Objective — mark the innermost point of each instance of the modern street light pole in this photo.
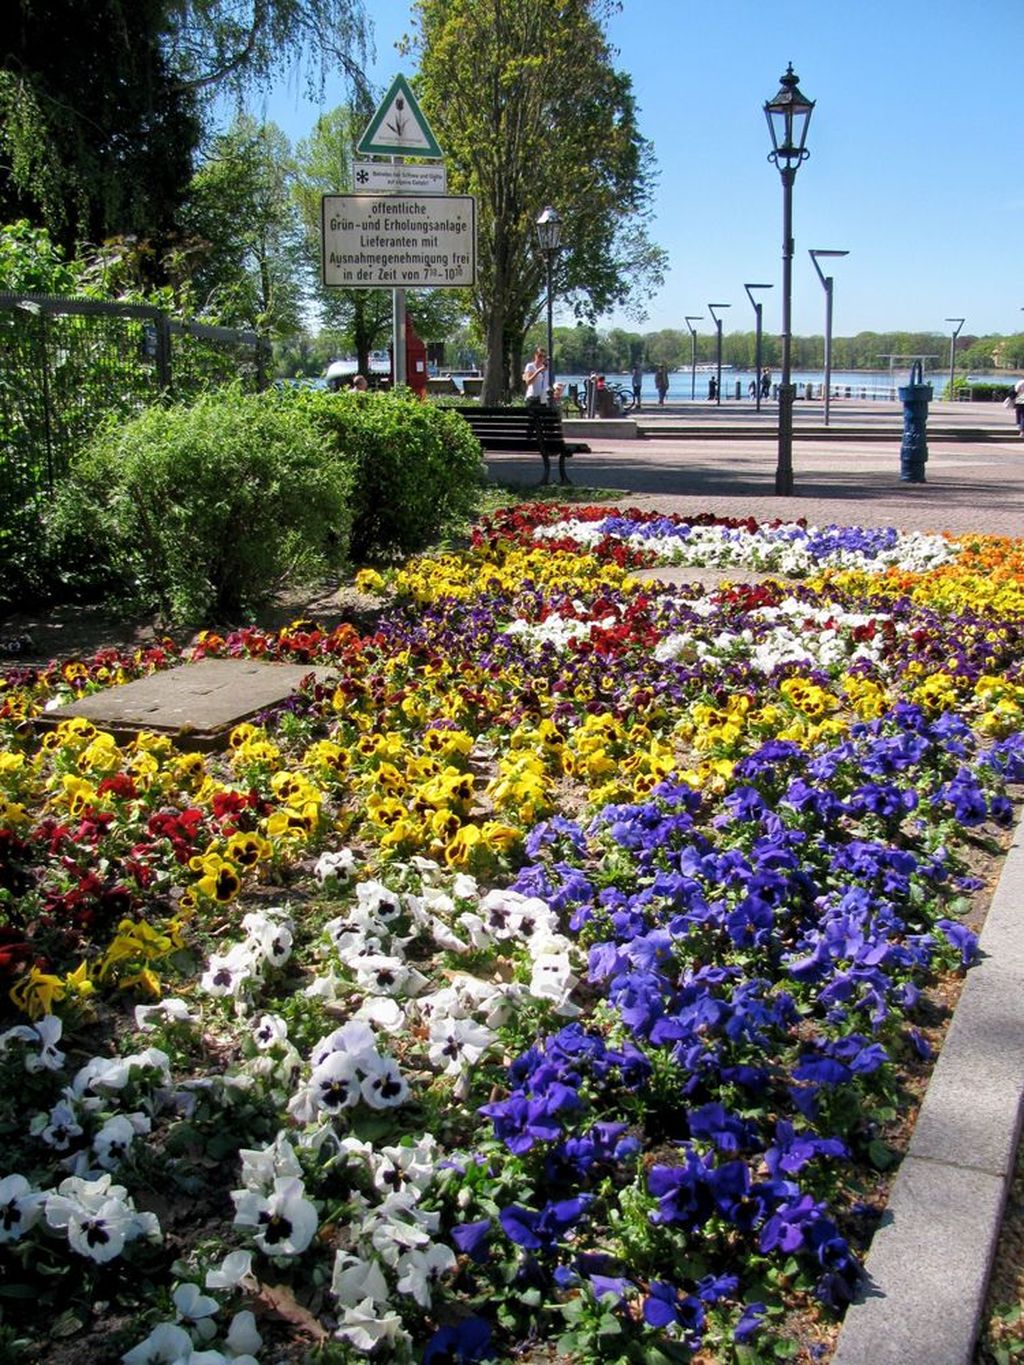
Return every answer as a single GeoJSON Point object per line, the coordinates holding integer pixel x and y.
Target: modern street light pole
{"type": "Point", "coordinates": [718, 349]}
{"type": "Point", "coordinates": [788, 115]}
{"type": "Point", "coordinates": [757, 339]}
{"type": "Point", "coordinates": [952, 352]}
{"type": "Point", "coordinates": [691, 318]}
{"type": "Point", "coordinates": [549, 234]}
{"type": "Point", "coordinates": [827, 283]}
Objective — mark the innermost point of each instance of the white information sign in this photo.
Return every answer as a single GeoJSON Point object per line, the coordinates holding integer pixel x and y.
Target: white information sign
{"type": "Point", "coordinates": [397, 178]}
{"type": "Point", "coordinates": [403, 241]}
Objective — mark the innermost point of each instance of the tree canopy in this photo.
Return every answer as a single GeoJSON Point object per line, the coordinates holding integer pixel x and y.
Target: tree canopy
{"type": "Point", "coordinates": [103, 105]}
{"type": "Point", "coordinates": [529, 109]}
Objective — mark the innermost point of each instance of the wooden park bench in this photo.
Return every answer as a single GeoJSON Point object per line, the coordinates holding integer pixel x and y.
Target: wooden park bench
{"type": "Point", "coordinates": [535, 428]}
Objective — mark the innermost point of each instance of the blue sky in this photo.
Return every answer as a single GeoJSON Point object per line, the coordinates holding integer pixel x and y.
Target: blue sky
{"type": "Point", "coordinates": [915, 166]}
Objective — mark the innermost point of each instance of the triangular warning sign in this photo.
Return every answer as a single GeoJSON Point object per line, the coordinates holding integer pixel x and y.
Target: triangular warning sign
{"type": "Point", "coordinates": [398, 128]}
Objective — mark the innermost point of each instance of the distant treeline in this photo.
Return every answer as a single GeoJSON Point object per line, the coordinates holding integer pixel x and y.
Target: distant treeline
{"type": "Point", "coordinates": [579, 350]}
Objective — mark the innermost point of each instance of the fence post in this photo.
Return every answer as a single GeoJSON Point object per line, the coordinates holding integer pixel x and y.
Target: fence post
{"type": "Point", "coordinates": [162, 323]}
{"type": "Point", "coordinates": [44, 346]}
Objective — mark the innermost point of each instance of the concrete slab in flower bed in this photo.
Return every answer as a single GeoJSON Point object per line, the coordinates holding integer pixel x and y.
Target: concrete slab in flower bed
{"type": "Point", "coordinates": [196, 704]}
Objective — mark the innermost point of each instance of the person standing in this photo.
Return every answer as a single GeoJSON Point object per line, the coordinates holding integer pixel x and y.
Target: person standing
{"type": "Point", "coordinates": [638, 384]}
{"type": "Point", "coordinates": [1018, 404]}
{"type": "Point", "coordinates": [535, 377]}
{"type": "Point", "coordinates": [661, 382]}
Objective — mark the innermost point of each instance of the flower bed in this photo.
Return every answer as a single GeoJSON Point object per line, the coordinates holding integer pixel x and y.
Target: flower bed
{"type": "Point", "coordinates": [555, 976]}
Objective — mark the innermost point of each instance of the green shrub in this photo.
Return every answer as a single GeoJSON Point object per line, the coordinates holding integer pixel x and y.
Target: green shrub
{"type": "Point", "coordinates": [417, 468]}
{"type": "Point", "coordinates": [204, 509]}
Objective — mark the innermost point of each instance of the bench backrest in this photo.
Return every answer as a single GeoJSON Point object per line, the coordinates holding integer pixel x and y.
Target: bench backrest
{"type": "Point", "coordinates": [543, 422]}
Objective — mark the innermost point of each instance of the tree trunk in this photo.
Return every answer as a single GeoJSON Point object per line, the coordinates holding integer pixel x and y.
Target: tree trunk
{"type": "Point", "coordinates": [495, 388]}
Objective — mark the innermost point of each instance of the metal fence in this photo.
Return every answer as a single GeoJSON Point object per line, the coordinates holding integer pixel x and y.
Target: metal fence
{"type": "Point", "coordinates": [67, 365]}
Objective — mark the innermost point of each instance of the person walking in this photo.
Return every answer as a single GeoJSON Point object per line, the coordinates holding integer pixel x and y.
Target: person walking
{"type": "Point", "coordinates": [766, 383]}
{"type": "Point", "coordinates": [661, 382]}
{"type": "Point", "coordinates": [535, 377]}
{"type": "Point", "coordinates": [638, 384]}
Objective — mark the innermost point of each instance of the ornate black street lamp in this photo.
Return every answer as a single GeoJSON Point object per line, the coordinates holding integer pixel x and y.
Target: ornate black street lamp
{"type": "Point", "coordinates": [828, 285]}
{"type": "Point", "coordinates": [758, 309]}
{"type": "Point", "coordinates": [718, 348]}
{"type": "Point", "coordinates": [549, 233]}
{"type": "Point", "coordinates": [788, 115]}
{"type": "Point", "coordinates": [690, 319]}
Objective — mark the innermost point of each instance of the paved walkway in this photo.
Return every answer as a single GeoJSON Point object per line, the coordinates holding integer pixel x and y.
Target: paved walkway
{"type": "Point", "coordinates": [929, 1264]}
{"type": "Point", "coordinates": [972, 484]}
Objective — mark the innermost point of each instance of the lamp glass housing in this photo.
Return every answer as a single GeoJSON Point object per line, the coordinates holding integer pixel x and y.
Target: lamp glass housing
{"type": "Point", "coordinates": [788, 115]}
{"type": "Point", "coordinates": [549, 229]}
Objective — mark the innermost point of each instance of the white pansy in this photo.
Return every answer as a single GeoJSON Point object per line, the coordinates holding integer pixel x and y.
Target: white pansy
{"type": "Point", "coordinates": [284, 1220]}
{"type": "Point", "coordinates": [384, 1087]}
{"type": "Point", "coordinates": [112, 1142]}
{"type": "Point", "coordinates": [387, 975]}
{"type": "Point", "coordinates": [465, 887]}
{"type": "Point", "coordinates": [59, 1127]}
{"type": "Point", "coordinates": [243, 1338]}
{"type": "Point", "coordinates": [269, 1030]}
{"type": "Point", "coordinates": [229, 974]}
{"type": "Point", "coordinates": [409, 1168]}
{"type": "Point", "coordinates": [106, 1076]}
{"type": "Point", "coordinates": [354, 1037]}
{"type": "Point", "coordinates": [99, 1217]}
{"type": "Point", "coordinates": [167, 1344]}
{"type": "Point", "coordinates": [398, 1224]}
{"type": "Point", "coordinates": [336, 1083]}
{"type": "Point", "coordinates": [42, 1039]}
{"type": "Point", "coordinates": [355, 1279]}
{"type": "Point", "coordinates": [419, 1271]}
{"type": "Point", "coordinates": [379, 899]}
{"type": "Point", "coordinates": [21, 1207]}
{"type": "Point", "coordinates": [366, 1329]}
{"type": "Point", "coordinates": [457, 1043]}
{"type": "Point", "coordinates": [269, 935]}
{"type": "Point", "coordinates": [172, 1010]}
{"type": "Point", "coordinates": [261, 1166]}
{"type": "Point", "coordinates": [339, 865]}
{"type": "Point", "coordinates": [327, 986]}
{"type": "Point", "coordinates": [234, 1272]}
{"type": "Point", "coordinates": [553, 979]}
{"type": "Point", "coordinates": [382, 1012]}
{"type": "Point", "coordinates": [196, 1311]}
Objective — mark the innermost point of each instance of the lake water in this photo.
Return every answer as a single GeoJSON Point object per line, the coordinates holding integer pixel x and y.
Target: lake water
{"type": "Point", "coordinates": [878, 384]}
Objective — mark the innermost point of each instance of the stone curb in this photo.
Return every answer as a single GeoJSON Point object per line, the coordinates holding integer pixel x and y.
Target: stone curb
{"type": "Point", "coordinates": [928, 1267]}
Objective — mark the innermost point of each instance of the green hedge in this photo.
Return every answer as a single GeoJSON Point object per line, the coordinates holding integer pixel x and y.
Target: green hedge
{"type": "Point", "coordinates": [417, 467]}
{"type": "Point", "coordinates": [204, 509]}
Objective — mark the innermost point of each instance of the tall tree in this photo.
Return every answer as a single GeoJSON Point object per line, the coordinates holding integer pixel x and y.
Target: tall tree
{"type": "Point", "coordinates": [102, 105]}
{"type": "Point", "coordinates": [242, 44]}
{"type": "Point", "coordinates": [529, 109]}
{"type": "Point", "coordinates": [248, 246]}
{"type": "Point", "coordinates": [96, 133]}
{"type": "Point", "coordinates": [323, 160]}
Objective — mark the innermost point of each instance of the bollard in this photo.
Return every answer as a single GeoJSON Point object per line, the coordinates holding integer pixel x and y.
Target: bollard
{"type": "Point", "coordinates": [739, 388]}
{"type": "Point", "coordinates": [915, 398]}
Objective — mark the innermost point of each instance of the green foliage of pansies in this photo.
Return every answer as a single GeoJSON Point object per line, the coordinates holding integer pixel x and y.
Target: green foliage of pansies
{"type": "Point", "coordinates": [205, 509]}
{"type": "Point", "coordinates": [417, 467]}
